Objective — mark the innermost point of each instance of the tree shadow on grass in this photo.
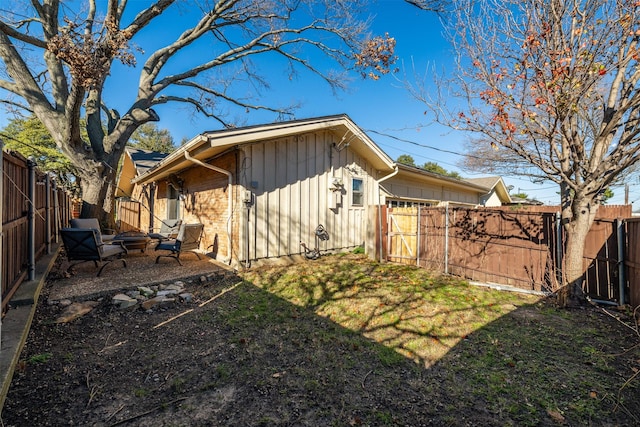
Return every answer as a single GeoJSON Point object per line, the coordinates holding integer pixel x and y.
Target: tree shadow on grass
{"type": "Point", "coordinates": [256, 355]}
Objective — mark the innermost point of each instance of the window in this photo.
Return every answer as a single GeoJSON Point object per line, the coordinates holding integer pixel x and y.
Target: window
{"type": "Point", "coordinates": [173, 202]}
{"type": "Point", "coordinates": [357, 192]}
{"type": "Point", "coordinates": [406, 204]}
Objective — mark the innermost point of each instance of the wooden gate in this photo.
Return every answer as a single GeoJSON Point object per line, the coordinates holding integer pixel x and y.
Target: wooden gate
{"type": "Point", "coordinates": [402, 235]}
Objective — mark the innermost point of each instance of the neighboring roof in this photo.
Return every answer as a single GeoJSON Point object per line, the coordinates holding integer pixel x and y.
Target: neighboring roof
{"type": "Point", "coordinates": [487, 181]}
{"type": "Point", "coordinates": [210, 144]}
{"type": "Point", "coordinates": [493, 183]}
{"type": "Point", "coordinates": [522, 201]}
{"type": "Point", "coordinates": [144, 160]}
{"type": "Point", "coordinates": [136, 163]}
{"type": "Point", "coordinates": [425, 175]}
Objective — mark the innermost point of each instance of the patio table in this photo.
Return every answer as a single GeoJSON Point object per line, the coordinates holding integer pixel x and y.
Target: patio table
{"type": "Point", "coordinates": [133, 240]}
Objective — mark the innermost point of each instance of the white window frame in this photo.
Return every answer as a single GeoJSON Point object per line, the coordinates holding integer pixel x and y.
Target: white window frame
{"type": "Point", "coordinates": [173, 201]}
{"type": "Point", "coordinates": [354, 193]}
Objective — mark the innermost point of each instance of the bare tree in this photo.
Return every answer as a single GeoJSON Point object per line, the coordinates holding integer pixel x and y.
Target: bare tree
{"type": "Point", "coordinates": [551, 88]}
{"type": "Point", "coordinates": [57, 61]}
{"type": "Point", "coordinates": [431, 5]}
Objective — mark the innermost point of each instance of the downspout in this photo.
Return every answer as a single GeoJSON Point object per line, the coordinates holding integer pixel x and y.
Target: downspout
{"type": "Point", "coordinates": [229, 191]}
{"type": "Point", "coordinates": [384, 178]}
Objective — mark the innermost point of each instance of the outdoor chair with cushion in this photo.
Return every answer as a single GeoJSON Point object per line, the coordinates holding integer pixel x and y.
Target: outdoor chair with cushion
{"type": "Point", "coordinates": [168, 230]}
{"type": "Point", "coordinates": [94, 224]}
{"type": "Point", "coordinates": [188, 240]}
{"type": "Point", "coordinates": [83, 244]}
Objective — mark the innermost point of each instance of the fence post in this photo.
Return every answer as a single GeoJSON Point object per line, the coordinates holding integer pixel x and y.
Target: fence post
{"type": "Point", "coordinates": [47, 208]}
{"type": "Point", "coordinates": [389, 229]}
{"type": "Point", "coordinates": [1, 232]}
{"type": "Point", "coordinates": [559, 251]}
{"type": "Point", "coordinates": [31, 225]}
{"type": "Point", "coordinates": [621, 258]}
{"type": "Point", "coordinates": [446, 239]}
{"type": "Point", "coordinates": [418, 239]}
{"type": "Point", "coordinates": [56, 211]}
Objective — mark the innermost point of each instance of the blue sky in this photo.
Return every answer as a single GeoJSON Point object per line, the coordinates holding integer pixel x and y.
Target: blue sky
{"type": "Point", "coordinates": [383, 108]}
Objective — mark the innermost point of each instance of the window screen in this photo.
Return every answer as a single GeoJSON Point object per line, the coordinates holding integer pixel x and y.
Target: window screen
{"type": "Point", "coordinates": [357, 192]}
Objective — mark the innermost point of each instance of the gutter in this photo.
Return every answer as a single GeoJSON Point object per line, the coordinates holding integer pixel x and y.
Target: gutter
{"type": "Point", "coordinates": [384, 178]}
{"type": "Point", "coordinates": [229, 191]}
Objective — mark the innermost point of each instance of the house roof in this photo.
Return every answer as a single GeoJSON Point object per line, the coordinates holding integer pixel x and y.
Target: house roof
{"type": "Point", "coordinates": [493, 183]}
{"type": "Point", "coordinates": [144, 159]}
{"type": "Point", "coordinates": [210, 144]}
{"type": "Point", "coordinates": [136, 163]}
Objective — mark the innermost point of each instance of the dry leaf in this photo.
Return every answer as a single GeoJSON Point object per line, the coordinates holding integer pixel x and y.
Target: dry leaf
{"type": "Point", "coordinates": [75, 310]}
{"type": "Point", "coordinates": [556, 416]}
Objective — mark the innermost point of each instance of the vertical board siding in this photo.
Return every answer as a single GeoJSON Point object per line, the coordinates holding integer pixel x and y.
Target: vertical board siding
{"type": "Point", "coordinates": [292, 177]}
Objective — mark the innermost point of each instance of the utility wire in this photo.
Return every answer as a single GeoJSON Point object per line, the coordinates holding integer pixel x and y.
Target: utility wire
{"type": "Point", "coordinates": [442, 150]}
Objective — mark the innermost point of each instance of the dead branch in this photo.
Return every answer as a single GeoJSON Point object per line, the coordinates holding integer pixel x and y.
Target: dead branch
{"type": "Point", "coordinates": [224, 291]}
{"type": "Point", "coordinates": [135, 417]}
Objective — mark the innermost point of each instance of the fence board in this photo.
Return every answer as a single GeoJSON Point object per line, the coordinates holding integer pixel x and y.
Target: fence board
{"type": "Point", "coordinates": [513, 247]}
{"type": "Point", "coordinates": [632, 259]}
{"type": "Point", "coordinates": [15, 221]}
{"type": "Point", "coordinates": [129, 215]}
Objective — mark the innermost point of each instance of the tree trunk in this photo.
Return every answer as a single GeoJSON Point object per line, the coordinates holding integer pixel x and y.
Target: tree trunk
{"type": "Point", "coordinates": [577, 220]}
{"type": "Point", "coordinates": [98, 196]}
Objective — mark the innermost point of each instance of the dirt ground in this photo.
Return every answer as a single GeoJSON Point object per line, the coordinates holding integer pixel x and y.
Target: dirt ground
{"type": "Point", "coordinates": [237, 355]}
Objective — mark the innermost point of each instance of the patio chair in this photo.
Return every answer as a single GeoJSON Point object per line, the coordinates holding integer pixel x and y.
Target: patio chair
{"type": "Point", "coordinates": [94, 224]}
{"type": "Point", "coordinates": [83, 244]}
{"type": "Point", "coordinates": [188, 240]}
{"type": "Point", "coordinates": [168, 230]}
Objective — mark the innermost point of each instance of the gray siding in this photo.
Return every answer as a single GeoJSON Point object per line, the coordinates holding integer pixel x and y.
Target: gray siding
{"type": "Point", "coordinates": [400, 187]}
{"type": "Point", "coordinates": [290, 179]}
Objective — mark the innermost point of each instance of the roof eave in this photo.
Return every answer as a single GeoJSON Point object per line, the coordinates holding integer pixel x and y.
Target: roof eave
{"type": "Point", "coordinates": [208, 144]}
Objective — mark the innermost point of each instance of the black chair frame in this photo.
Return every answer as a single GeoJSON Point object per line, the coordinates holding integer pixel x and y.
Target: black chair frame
{"type": "Point", "coordinates": [188, 240]}
{"type": "Point", "coordinates": [83, 244]}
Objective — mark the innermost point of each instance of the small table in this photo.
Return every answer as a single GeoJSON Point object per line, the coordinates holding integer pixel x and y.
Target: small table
{"type": "Point", "coordinates": [133, 240]}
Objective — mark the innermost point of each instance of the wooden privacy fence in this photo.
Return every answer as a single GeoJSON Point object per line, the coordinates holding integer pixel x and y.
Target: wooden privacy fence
{"type": "Point", "coordinates": [33, 210]}
{"type": "Point", "coordinates": [128, 215]}
{"type": "Point", "coordinates": [517, 248]}
{"type": "Point", "coordinates": [632, 259]}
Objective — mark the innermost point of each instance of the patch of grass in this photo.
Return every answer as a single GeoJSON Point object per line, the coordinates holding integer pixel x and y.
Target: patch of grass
{"type": "Point", "coordinates": [408, 309]}
{"type": "Point", "coordinates": [178, 384]}
{"type": "Point", "coordinates": [385, 418]}
{"type": "Point", "coordinates": [39, 358]}
{"type": "Point", "coordinates": [223, 371]}
{"type": "Point", "coordinates": [141, 392]}
{"type": "Point", "coordinates": [389, 357]}
{"type": "Point", "coordinates": [522, 358]}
